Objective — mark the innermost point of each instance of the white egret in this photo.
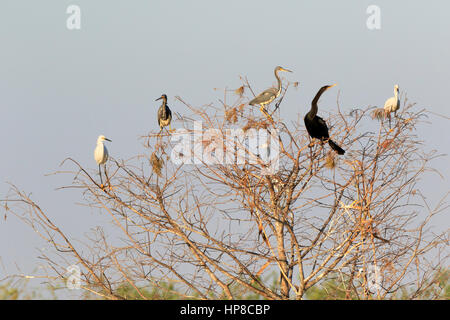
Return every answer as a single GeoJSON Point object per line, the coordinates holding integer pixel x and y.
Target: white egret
{"type": "Point", "coordinates": [392, 104]}
{"type": "Point", "coordinates": [101, 154]}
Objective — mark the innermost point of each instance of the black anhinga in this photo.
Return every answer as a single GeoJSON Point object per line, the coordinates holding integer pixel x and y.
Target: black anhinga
{"type": "Point", "coordinates": [164, 113]}
{"type": "Point", "coordinates": [316, 126]}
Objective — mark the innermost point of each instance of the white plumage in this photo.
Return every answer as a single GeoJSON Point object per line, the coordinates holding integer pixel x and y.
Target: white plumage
{"type": "Point", "coordinates": [392, 104]}
{"type": "Point", "coordinates": [101, 154]}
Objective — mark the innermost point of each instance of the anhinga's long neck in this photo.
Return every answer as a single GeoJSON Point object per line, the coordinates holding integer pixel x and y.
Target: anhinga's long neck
{"type": "Point", "coordinates": [396, 93]}
{"type": "Point", "coordinates": [313, 112]}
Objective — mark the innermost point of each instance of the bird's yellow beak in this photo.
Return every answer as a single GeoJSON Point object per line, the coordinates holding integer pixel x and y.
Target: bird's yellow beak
{"type": "Point", "coordinates": [333, 85]}
{"type": "Point", "coordinates": [283, 69]}
{"type": "Point", "coordinates": [159, 98]}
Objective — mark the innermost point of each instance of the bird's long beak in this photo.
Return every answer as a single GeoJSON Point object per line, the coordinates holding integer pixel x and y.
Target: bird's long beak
{"type": "Point", "coordinates": [159, 98]}
{"type": "Point", "coordinates": [283, 69]}
{"type": "Point", "coordinates": [333, 85]}
{"type": "Point", "coordinates": [108, 140]}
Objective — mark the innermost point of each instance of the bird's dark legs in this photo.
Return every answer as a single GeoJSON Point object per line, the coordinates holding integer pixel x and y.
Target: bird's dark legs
{"type": "Point", "coordinates": [169, 131]}
{"type": "Point", "coordinates": [106, 174]}
{"type": "Point", "coordinates": [100, 173]}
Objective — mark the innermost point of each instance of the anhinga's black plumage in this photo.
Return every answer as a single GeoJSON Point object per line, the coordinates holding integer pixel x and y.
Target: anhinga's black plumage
{"type": "Point", "coordinates": [316, 126]}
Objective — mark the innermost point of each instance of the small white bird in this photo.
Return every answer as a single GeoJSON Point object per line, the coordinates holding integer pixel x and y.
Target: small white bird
{"type": "Point", "coordinates": [392, 104]}
{"type": "Point", "coordinates": [101, 154]}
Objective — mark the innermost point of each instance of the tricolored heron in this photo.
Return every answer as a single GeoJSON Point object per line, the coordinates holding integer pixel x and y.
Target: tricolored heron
{"type": "Point", "coordinates": [267, 96]}
{"type": "Point", "coordinates": [392, 104]}
{"type": "Point", "coordinates": [164, 113]}
{"type": "Point", "coordinates": [101, 155]}
{"type": "Point", "coordinates": [316, 126]}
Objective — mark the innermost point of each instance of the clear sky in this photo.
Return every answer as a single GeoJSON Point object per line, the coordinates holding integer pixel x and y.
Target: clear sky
{"type": "Point", "coordinates": [60, 89]}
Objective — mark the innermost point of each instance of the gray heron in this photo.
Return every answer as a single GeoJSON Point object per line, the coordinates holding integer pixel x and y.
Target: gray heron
{"type": "Point", "coordinates": [267, 96]}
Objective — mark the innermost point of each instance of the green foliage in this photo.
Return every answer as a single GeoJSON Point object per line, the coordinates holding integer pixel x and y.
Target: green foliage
{"type": "Point", "coordinates": [19, 291]}
{"type": "Point", "coordinates": [8, 293]}
{"type": "Point", "coordinates": [443, 278]}
{"type": "Point", "coordinates": [164, 291]}
{"type": "Point", "coordinates": [242, 293]}
{"type": "Point", "coordinates": [438, 287]}
{"type": "Point", "coordinates": [330, 289]}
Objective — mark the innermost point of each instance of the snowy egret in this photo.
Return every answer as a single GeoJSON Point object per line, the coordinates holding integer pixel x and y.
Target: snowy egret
{"type": "Point", "coordinates": [267, 96]}
{"type": "Point", "coordinates": [164, 114]}
{"type": "Point", "coordinates": [392, 104]}
{"type": "Point", "coordinates": [101, 154]}
{"type": "Point", "coordinates": [316, 126]}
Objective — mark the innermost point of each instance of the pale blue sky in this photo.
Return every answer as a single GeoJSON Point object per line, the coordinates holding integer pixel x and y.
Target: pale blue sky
{"type": "Point", "coordinates": [60, 89]}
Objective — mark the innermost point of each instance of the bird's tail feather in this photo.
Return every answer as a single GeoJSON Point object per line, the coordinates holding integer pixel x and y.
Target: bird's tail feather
{"type": "Point", "coordinates": [335, 147]}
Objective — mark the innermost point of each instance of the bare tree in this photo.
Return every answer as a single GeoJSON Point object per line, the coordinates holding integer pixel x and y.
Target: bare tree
{"type": "Point", "coordinates": [216, 227]}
